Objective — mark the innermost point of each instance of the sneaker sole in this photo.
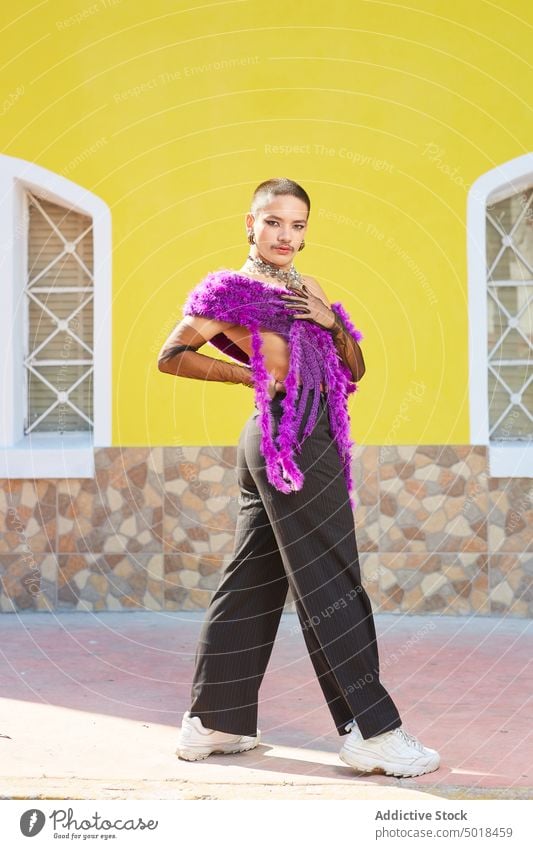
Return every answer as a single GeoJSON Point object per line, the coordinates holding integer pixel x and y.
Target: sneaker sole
{"type": "Point", "coordinates": [392, 769]}
{"type": "Point", "coordinates": [199, 753]}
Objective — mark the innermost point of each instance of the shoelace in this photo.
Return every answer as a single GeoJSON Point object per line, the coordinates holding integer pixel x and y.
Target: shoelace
{"type": "Point", "coordinates": [410, 739]}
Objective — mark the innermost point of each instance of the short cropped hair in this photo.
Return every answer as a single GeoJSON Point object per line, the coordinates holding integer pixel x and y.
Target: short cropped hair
{"type": "Point", "coordinates": [278, 186]}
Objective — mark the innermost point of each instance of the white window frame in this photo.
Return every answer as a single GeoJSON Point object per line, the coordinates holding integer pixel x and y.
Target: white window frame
{"type": "Point", "coordinates": [508, 459]}
{"type": "Point", "coordinates": [48, 455]}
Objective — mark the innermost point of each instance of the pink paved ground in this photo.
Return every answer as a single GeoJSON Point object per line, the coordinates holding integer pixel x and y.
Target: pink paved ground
{"type": "Point", "coordinates": [463, 685]}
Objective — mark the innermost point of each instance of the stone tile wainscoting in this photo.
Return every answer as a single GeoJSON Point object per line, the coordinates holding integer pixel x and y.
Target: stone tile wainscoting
{"type": "Point", "coordinates": [155, 527]}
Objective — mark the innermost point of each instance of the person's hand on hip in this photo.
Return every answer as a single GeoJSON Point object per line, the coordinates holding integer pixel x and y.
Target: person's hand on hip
{"type": "Point", "coordinates": [274, 385]}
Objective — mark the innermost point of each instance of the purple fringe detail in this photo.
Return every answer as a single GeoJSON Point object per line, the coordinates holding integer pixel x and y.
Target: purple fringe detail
{"type": "Point", "coordinates": [226, 295]}
{"type": "Point", "coordinates": [318, 378]}
{"type": "Point", "coordinates": [286, 432]}
{"type": "Point", "coordinates": [266, 424]}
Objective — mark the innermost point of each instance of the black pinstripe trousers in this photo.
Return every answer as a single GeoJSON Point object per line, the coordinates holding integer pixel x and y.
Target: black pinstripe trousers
{"type": "Point", "coordinates": [305, 540]}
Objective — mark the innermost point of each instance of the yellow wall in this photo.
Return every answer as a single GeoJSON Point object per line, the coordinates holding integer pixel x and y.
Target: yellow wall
{"type": "Point", "coordinates": [397, 111]}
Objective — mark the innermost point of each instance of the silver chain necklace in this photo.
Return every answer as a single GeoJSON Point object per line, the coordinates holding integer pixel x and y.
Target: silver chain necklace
{"type": "Point", "coordinates": [263, 267]}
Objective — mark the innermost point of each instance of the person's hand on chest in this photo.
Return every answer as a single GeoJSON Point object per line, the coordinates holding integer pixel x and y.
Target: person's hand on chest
{"type": "Point", "coordinates": [305, 304]}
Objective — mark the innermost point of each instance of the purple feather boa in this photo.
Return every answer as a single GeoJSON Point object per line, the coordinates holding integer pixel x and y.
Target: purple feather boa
{"type": "Point", "coordinates": [226, 295]}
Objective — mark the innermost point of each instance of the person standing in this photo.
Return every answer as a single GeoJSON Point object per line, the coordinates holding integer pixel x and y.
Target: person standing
{"type": "Point", "coordinates": [295, 525]}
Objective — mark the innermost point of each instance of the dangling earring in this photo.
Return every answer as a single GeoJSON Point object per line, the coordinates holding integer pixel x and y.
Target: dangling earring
{"type": "Point", "coordinates": [302, 246]}
{"type": "Point", "coordinates": [251, 238]}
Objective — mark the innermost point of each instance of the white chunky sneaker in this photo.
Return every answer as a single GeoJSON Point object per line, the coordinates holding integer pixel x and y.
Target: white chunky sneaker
{"type": "Point", "coordinates": [196, 742]}
{"type": "Point", "coordinates": [395, 753]}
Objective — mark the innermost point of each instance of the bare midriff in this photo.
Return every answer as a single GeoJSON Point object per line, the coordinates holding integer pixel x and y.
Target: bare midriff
{"type": "Point", "coordinates": [274, 347]}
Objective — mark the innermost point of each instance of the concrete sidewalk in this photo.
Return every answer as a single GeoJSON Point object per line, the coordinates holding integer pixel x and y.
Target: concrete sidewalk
{"type": "Point", "coordinates": [91, 705]}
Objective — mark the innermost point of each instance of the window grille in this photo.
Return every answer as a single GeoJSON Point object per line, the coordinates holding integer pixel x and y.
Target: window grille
{"type": "Point", "coordinates": [59, 299]}
{"type": "Point", "coordinates": [509, 230]}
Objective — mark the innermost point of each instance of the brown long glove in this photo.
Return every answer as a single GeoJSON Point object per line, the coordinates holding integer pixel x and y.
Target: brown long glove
{"type": "Point", "coordinates": [347, 347]}
{"type": "Point", "coordinates": [179, 356]}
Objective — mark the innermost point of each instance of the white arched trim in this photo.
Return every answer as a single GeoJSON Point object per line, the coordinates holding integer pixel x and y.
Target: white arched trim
{"type": "Point", "coordinates": [42, 455]}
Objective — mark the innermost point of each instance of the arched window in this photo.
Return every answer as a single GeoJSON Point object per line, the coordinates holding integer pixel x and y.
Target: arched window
{"type": "Point", "coordinates": [500, 266]}
{"type": "Point", "coordinates": [55, 324]}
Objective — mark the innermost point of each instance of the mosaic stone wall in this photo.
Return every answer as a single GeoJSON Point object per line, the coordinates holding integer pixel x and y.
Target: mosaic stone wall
{"type": "Point", "coordinates": [155, 527]}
